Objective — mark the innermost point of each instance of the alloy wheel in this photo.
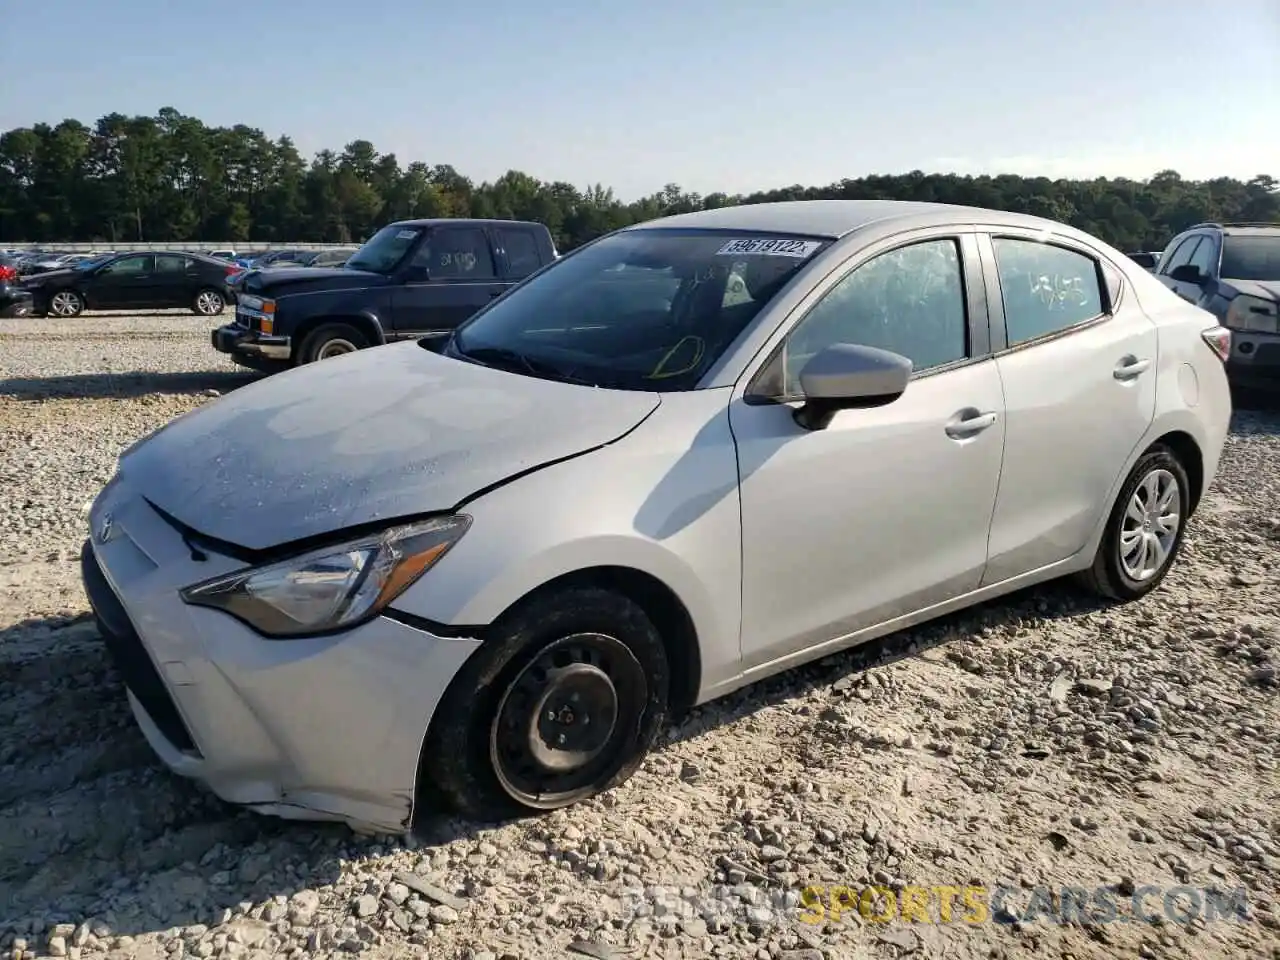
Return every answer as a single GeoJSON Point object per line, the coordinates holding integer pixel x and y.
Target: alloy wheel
{"type": "Point", "coordinates": [1149, 526]}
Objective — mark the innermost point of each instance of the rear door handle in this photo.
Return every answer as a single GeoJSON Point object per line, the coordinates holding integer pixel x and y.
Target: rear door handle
{"type": "Point", "coordinates": [1130, 367]}
{"type": "Point", "coordinates": [969, 423]}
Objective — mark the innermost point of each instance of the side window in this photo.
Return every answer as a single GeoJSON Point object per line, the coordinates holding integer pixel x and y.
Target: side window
{"type": "Point", "coordinates": [1206, 257]}
{"type": "Point", "coordinates": [129, 267]}
{"type": "Point", "coordinates": [456, 253]}
{"type": "Point", "coordinates": [522, 251]}
{"type": "Point", "coordinates": [1180, 255]}
{"type": "Point", "coordinates": [910, 300]}
{"type": "Point", "coordinates": [170, 264]}
{"type": "Point", "coordinates": [1045, 288]}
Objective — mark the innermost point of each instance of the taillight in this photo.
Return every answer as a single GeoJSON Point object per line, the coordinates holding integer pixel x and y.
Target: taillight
{"type": "Point", "coordinates": [232, 269]}
{"type": "Point", "coordinates": [1219, 340]}
{"type": "Point", "coordinates": [8, 274]}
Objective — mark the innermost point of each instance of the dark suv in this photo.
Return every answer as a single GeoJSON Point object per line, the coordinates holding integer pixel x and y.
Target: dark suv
{"type": "Point", "coordinates": [1233, 271]}
{"type": "Point", "coordinates": [412, 279]}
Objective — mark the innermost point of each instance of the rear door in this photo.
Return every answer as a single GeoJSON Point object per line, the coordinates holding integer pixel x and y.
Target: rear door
{"type": "Point", "coordinates": [451, 275]}
{"type": "Point", "coordinates": [123, 284]}
{"type": "Point", "coordinates": [174, 275]}
{"type": "Point", "coordinates": [1077, 359]}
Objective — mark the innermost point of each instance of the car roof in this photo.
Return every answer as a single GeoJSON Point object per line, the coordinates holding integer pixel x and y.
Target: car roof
{"type": "Point", "coordinates": [833, 219]}
{"type": "Point", "coordinates": [445, 221]}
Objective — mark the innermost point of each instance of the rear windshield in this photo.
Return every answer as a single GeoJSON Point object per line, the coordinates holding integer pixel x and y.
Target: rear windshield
{"type": "Point", "coordinates": [1251, 258]}
{"type": "Point", "coordinates": [639, 310]}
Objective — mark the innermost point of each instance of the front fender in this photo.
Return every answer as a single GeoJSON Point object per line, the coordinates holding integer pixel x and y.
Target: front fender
{"type": "Point", "coordinates": [662, 501]}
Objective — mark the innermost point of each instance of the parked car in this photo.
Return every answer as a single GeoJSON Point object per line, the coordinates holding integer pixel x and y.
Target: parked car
{"type": "Point", "coordinates": [319, 258]}
{"type": "Point", "coordinates": [131, 281]}
{"type": "Point", "coordinates": [14, 300]}
{"type": "Point", "coordinates": [505, 564]}
{"type": "Point", "coordinates": [1233, 271]}
{"type": "Point", "coordinates": [416, 278]}
{"type": "Point", "coordinates": [221, 254]}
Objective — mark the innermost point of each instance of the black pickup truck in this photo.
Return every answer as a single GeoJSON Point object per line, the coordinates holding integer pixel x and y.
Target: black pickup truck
{"type": "Point", "coordinates": [412, 279]}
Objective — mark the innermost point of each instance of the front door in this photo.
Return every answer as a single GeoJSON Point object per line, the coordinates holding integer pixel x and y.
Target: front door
{"type": "Point", "coordinates": [451, 276]}
{"type": "Point", "coordinates": [1080, 390]}
{"type": "Point", "coordinates": [123, 284]}
{"type": "Point", "coordinates": [885, 511]}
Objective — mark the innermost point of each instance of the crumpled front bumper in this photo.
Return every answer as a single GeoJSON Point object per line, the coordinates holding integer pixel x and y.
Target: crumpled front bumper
{"type": "Point", "coordinates": [325, 728]}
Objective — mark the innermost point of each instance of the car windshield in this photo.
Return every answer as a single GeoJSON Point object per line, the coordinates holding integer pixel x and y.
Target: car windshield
{"type": "Point", "coordinates": [383, 251]}
{"type": "Point", "coordinates": [1251, 258]}
{"type": "Point", "coordinates": [89, 264]}
{"type": "Point", "coordinates": [649, 309]}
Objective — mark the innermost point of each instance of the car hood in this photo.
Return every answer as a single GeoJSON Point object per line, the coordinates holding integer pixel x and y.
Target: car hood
{"type": "Point", "coordinates": [1263, 289]}
{"type": "Point", "coordinates": [377, 435]}
{"type": "Point", "coordinates": [279, 281]}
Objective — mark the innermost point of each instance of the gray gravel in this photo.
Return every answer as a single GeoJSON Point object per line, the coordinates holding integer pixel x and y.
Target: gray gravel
{"type": "Point", "coordinates": [1040, 742]}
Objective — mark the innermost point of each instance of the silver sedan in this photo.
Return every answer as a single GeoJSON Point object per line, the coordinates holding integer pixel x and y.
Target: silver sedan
{"type": "Point", "coordinates": [683, 457]}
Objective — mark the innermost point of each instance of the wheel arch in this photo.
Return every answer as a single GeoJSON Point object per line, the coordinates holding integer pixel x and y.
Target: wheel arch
{"type": "Point", "coordinates": [366, 323]}
{"type": "Point", "coordinates": [664, 608]}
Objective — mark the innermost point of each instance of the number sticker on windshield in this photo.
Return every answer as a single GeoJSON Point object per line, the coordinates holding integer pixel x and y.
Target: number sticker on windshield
{"type": "Point", "coordinates": [771, 247]}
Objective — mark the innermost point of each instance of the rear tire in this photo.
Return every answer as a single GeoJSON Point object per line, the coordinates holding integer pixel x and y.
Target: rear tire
{"type": "Point", "coordinates": [331, 340]}
{"type": "Point", "coordinates": [513, 734]}
{"type": "Point", "coordinates": [1139, 547]}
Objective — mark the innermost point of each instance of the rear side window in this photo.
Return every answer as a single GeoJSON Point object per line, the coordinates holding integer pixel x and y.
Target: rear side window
{"type": "Point", "coordinates": [522, 251]}
{"type": "Point", "coordinates": [166, 263]}
{"type": "Point", "coordinates": [1045, 288]}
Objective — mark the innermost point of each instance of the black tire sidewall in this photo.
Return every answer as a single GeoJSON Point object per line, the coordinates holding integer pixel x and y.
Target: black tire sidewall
{"type": "Point", "coordinates": [456, 760]}
{"type": "Point", "coordinates": [318, 337]}
{"type": "Point", "coordinates": [1160, 458]}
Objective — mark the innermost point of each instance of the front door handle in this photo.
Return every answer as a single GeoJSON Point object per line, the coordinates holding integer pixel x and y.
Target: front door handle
{"type": "Point", "coordinates": [1130, 367]}
{"type": "Point", "coordinates": [494, 294]}
{"type": "Point", "coordinates": [969, 423]}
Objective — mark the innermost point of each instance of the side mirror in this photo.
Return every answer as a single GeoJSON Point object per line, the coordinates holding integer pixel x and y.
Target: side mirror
{"type": "Point", "coordinates": [416, 273]}
{"type": "Point", "coordinates": [846, 376]}
{"type": "Point", "coordinates": [1188, 273]}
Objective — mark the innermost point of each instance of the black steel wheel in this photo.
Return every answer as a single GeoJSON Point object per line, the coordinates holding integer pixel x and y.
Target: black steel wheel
{"type": "Point", "coordinates": [561, 703]}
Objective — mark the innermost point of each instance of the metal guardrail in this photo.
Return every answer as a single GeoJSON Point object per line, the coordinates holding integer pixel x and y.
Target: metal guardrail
{"type": "Point", "coordinates": [200, 247]}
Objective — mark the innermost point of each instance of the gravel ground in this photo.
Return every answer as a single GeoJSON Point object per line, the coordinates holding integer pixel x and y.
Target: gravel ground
{"type": "Point", "coordinates": [1039, 743]}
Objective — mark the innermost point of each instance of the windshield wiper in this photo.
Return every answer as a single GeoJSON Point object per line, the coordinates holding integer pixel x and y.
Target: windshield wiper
{"type": "Point", "coordinates": [507, 359]}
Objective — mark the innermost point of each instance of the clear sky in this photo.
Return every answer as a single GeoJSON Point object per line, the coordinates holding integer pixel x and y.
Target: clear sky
{"type": "Point", "coordinates": [709, 94]}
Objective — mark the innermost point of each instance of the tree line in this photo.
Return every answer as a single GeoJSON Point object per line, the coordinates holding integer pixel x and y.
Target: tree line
{"type": "Point", "coordinates": [173, 178]}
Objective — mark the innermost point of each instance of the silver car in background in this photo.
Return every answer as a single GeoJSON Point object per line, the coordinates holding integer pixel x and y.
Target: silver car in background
{"type": "Point", "coordinates": [683, 457]}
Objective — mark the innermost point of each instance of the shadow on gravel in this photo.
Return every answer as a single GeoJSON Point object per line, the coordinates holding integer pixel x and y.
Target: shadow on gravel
{"type": "Point", "coordinates": [124, 385]}
{"type": "Point", "coordinates": [92, 826]}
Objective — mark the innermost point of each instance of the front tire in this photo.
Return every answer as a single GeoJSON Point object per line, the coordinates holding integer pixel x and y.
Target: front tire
{"type": "Point", "coordinates": [332, 340]}
{"type": "Point", "coordinates": [1144, 532]}
{"type": "Point", "coordinates": [66, 303]}
{"type": "Point", "coordinates": [561, 704]}
{"type": "Point", "coordinates": [208, 303]}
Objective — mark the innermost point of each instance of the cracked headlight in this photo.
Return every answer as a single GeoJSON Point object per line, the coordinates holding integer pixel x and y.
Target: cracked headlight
{"type": "Point", "coordinates": [331, 588]}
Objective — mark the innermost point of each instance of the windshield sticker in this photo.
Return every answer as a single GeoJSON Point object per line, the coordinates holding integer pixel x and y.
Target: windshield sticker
{"type": "Point", "coordinates": [406, 234]}
{"type": "Point", "coordinates": [770, 247]}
